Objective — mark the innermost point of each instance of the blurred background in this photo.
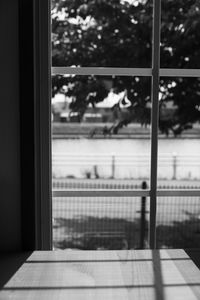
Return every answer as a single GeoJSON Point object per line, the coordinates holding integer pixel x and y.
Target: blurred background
{"type": "Point", "coordinates": [101, 124]}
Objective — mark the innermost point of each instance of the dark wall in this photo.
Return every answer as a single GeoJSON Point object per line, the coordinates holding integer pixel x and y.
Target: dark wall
{"type": "Point", "coordinates": [10, 227]}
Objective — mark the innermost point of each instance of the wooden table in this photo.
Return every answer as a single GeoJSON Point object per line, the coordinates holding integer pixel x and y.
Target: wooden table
{"type": "Point", "coordinates": [105, 275]}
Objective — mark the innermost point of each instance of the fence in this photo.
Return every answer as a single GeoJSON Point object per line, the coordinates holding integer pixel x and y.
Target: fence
{"type": "Point", "coordinates": [122, 223]}
{"type": "Point", "coordinates": [170, 166]}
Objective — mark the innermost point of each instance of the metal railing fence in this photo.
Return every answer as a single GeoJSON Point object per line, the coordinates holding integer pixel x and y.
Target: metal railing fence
{"type": "Point", "coordinates": [122, 223]}
{"type": "Point", "coordinates": [170, 165]}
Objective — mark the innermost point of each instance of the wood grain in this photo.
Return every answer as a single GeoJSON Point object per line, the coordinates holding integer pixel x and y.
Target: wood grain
{"type": "Point", "coordinates": [105, 275]}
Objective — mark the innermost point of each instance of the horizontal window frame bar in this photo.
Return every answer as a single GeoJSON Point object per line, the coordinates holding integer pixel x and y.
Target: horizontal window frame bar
{"type": "Point", "coordinates": [126, 193]}
{"type": "Point", "coordinates": [101, 71]}
{"type": "Point", "coordinates": [179, 72]}
{"type": "Point", "coordinates": [146, 72]}
{"type": "Point", "coordinates": [101, 193]}
{"type": "Point", "coordinates": [178, 193]}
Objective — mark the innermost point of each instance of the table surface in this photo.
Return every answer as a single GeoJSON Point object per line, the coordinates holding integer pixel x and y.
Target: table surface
{"type": "Point", "coordinates": [126, 274]}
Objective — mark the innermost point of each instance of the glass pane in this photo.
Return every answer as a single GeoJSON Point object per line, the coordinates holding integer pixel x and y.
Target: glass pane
{"type": "Point", "coordinates": [180, 34]}
{"type": "Point", "coordinates": [100, 223]}
{"type": "Point", "coordinates": [101, 132]}
{"type": "Point", "coordinates": [101, 140]}
{"type": "Point", "coordinates": [179, 143]}
{"type": "Point", "coordinates": [178, 222]}
{"type": "Point", "coordinates": [101, 33]}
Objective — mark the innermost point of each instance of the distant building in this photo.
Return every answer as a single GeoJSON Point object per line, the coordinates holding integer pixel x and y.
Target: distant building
{"type": "Point", "coordinates": [111, 109]}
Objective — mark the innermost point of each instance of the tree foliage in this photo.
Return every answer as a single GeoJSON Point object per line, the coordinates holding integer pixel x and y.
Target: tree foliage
{"type": "Point", "coordinates": [118, 33]}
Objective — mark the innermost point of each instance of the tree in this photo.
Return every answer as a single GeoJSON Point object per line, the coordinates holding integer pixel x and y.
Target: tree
{"type": "Point", "coordinates": [117, 33]}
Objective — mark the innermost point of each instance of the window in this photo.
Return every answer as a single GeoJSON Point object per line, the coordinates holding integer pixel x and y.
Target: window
{"type": "Point", "coordinates": [165, 42]}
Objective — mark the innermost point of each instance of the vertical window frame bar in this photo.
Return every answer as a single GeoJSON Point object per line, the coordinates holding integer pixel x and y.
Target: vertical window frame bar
{"type": "Point", "coordinates": [45, 120]}
{"type": "Point", "coordinates": [42, 141]}
{"type": "Point", "coordinates": [154, 120]}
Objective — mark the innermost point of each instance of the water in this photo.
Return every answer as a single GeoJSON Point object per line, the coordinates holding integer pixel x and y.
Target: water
{"type": "Point", "coordinates": [125, 158]}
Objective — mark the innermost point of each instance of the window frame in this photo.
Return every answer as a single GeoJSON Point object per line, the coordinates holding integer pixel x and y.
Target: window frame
{"type": "Point", "coordinates": [42, 88]}
{"type": "Point", "coordinates": [42, 73]}
{"type": "Point", "coordinates": [35, 124]}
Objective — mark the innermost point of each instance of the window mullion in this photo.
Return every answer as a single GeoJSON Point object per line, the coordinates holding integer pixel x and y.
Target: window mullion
{"type": "Point", "coordinates": [154, 120]}
{"type": "Point", "coordinates": [42, 73]}
{"type": "Point", "coordinates": [101, 193]}
{"type": "Point", "coordinates": [101, 71]}
{"type": "Point", "coordinates": [180, 72]}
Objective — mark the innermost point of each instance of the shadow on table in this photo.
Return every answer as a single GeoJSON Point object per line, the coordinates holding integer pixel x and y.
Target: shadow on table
{"type": "Point", "coordinates": [158, 278]}
{"type": "Point", "coordinates": [10, 263]}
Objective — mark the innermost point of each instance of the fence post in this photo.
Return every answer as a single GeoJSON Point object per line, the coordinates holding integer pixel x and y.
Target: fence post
{"type": "Point", "coordinates": [113, 166]}
{"type": "Point", "coordinates": [143, 217]}
{"type": "Point", "coordinates": [96, 173]}
{"type": "Point", "coordinates": [174, 165]}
